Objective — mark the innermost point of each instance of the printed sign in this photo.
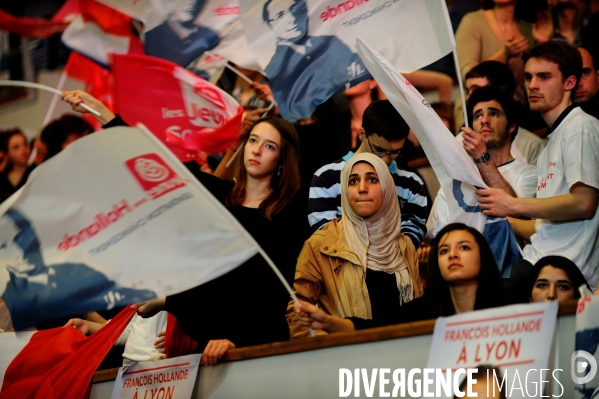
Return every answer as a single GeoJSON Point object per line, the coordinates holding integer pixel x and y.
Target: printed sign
{"type": "Point", "coordinates": [169, 378]}
{"type": "Point", "coordinates": [516, 339]}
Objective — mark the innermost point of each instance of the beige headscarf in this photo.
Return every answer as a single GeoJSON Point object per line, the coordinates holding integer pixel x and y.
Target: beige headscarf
{"type": "Point", "coordinates": [375, 239]}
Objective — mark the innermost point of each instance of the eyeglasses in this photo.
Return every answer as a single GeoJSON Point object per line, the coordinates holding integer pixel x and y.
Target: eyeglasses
{"type": "Point", "coordinates": [382, 154]}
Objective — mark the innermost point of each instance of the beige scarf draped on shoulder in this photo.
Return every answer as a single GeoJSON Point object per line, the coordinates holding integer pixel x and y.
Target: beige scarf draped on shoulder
{"type": "Point", "coordinates": [375, 239]}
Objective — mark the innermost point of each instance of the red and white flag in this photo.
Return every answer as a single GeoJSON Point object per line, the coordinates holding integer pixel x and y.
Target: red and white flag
{"type": "Point", "coordinates": [100, 30]}
{"type": "Point", "coordinates": [191, 116]}
{"type": "Point", "coordinates": [55, 363]}
{"type": "Point", "coordinates": [39, 27]}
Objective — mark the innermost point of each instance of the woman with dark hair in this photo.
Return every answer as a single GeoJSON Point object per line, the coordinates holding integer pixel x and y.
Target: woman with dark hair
{"type": "Point", "coordinates": [14, 144]}
{"type": "Point", "coordinates": [58, 134]}
{"type": "Point", "coordinates": [555, 278]}
{"type": "Point", "coordinates": [463, 275]}
{"type": "Point", "coordinates": [359, 269]}
{"type": "Point", "coordinates": [219, 315]}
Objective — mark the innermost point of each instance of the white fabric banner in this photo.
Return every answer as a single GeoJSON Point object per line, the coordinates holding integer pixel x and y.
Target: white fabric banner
{"type": "Point", "coordinates": [306, 47]}
{"type": "Point", "coordinates": [112, 220]}
{"type": "Point", "coordinates": [169, 378]}
{"type": "Point", "coordinates": [514, 338]}
{"type": "Point", "coordinates": [181, 30]}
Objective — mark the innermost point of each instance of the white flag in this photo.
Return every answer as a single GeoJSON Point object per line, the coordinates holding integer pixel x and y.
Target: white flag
{"type": "Point", "coordinates": [454, 168]}
{"type": "Point", "coordinates": [306, 47]}
{"type": "Point", "coordinates": [112, 220]}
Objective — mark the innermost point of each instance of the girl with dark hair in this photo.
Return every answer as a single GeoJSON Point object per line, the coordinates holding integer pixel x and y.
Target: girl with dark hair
{"type": "Point", "coordinates": [463, 275]}
{"type": "Point", "coordinates": [555, 278]}
{"type": "Point", "coordinates": [219, 315]}
{"type": "Point", "coordinates": [14, 144]}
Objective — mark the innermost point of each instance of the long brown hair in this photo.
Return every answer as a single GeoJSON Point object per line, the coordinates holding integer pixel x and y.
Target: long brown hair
{"type": "Point", "coordinates": [284, 185]}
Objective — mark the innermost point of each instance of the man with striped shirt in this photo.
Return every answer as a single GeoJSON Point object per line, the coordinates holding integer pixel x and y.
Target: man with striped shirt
{"type": "Point", "coordinates": [383, 134]}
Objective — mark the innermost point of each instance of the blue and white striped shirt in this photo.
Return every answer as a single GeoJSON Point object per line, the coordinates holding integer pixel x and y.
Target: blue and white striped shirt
{"type": "Point", "coordinates": [325, 198]}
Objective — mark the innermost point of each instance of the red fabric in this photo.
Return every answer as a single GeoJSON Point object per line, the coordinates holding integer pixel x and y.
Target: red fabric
{"type": "Point", "coordinates": [188, 114]}
{"type": "Point", "coordinates": [112, 22]}
{"type": "Point", "coordinates": [60, 362]}
{"type": "Point", "coordinates": [39, 27]}
{"type": "Point", "coordinates": [177, 343]}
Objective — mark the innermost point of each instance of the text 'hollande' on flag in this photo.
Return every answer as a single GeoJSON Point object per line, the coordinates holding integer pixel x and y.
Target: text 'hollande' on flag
{"type": "Point", "coordinates": [307, 48]}
{"type": "Point", "coordinates": [112, 220]}
{"type": "Point", "coordinates": [453, 167]}
{"type": "Point", "coordinates": [56, 363]}
{"type": "Point", "coordinates": [100, 30]}
{"type": "Point", "coordinates": [191, 116]}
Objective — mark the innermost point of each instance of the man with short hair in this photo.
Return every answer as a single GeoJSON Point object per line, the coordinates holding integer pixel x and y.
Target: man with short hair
{"type": "Point", "coordinates": [304, 65]}
{"type": "Point", "coordinates": [586, 93]}
{"type": "Point", "coordinates": [494, 116]}
{"type": "Point", "coordinates": [526, 146]}
{"type": "Point", "coordinates": [565, 209]}
{"type": "Point", "coordinates": [383, 134]}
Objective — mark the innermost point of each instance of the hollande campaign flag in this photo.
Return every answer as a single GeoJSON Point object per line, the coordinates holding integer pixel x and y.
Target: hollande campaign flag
{"type": "Point", "coordinates": [112, 220]}
{"type": "Point", "coordinates": [455, 170]}
{"type": "Point", "coordinates": [191, 116]}
{"type": "Point", "coordinates": [306, 47]}
{"type": "Point", "coordinates": [181, 30]}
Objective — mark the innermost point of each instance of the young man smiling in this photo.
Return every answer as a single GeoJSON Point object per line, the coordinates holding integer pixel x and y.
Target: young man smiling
{"type": "Point", "coordinates": [383, 134]}
{"type": "Point", "coordinates": [565, 209]}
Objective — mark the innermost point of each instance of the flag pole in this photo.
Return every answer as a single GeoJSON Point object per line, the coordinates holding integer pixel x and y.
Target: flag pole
{"type": "Point", "coordinates": [228, 214]}
{"type": "Point", "coordinates": [454, 46]}
{"type": "Point", "coordinates": [459, 74]}
{"type": "Point", "coordinates": [43, 87]}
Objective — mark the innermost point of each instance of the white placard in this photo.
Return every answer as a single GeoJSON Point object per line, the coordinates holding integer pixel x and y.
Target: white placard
{"type": "Point", "coordinates": [169, 378]}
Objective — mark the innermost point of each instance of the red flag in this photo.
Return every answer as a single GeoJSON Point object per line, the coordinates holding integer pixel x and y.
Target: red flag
{"type": "Point", "coordinates": [39, 27]}
{"type": "Point", "coordinates": [100, 30]}
{"type": "Point", "coordinates": [60, 362]}
{"type": "Point", "coordinates": [190, 115]}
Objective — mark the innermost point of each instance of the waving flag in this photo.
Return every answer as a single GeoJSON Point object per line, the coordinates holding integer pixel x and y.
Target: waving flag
{"type": "Point", "coordinates": [112, 220]}
{"type": "Point", "coordinates": [455, 170]}
{"type": "Point", "coordinates": [307, 48]}
{"type": "Point", "coordinates": [188, 114]}
{"type": "Point", "coordinates": [39, 27]}
{"type": "Point", "coordinates": [100, 30]}
{"type": "Point", "coordinates": [55, 363]}
{"type": "Point", "coordinates": [586, 357]}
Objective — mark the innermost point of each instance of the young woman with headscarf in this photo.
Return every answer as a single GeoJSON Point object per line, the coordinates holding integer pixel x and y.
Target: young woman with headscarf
{"type": "Point", "coordinates": [359, 268]}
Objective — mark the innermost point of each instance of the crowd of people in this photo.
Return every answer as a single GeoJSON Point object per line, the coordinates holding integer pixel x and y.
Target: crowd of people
{"type": "Point", "coordinates": [337, 201]}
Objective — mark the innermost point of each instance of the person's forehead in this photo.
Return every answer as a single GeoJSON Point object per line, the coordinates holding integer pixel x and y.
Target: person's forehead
{"type": "Point", "coordinates": [540, 65]}
{"type": "Point", "coordinates": [481, 82]}
{"type": "Point", "coordinates": [487, 104]}
{"type": "Point", "coordinates": [587, 60]}
{"type": "Point", "coordinates": [276, 6]}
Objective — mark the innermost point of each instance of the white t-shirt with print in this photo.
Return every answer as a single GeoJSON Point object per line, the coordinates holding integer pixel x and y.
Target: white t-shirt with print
{"type": "Point", "coordinates": [571, 156]}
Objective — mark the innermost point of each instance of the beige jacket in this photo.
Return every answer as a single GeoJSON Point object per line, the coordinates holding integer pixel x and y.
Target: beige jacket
{"type": "Point", "coordinates": [329, 274]}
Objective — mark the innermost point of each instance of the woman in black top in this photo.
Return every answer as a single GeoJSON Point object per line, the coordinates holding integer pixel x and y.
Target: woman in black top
{"type": "Point", "coordinates": [219, 315]}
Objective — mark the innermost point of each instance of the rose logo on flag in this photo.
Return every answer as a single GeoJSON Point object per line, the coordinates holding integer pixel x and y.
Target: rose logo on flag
{"type": "Point", "coordinates": [154, 175]}
{"type": "Point", "coordinates": [150, 170]}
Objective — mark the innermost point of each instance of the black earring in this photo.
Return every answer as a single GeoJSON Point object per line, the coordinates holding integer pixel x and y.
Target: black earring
{"type": "Point", "coordinates": [279, 171]}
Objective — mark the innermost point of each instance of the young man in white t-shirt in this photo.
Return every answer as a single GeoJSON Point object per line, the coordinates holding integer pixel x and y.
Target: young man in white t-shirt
{"type": "Point", "coordinates": [494, 117]}
{"type": "Point", "coordinates": [568, 169]}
